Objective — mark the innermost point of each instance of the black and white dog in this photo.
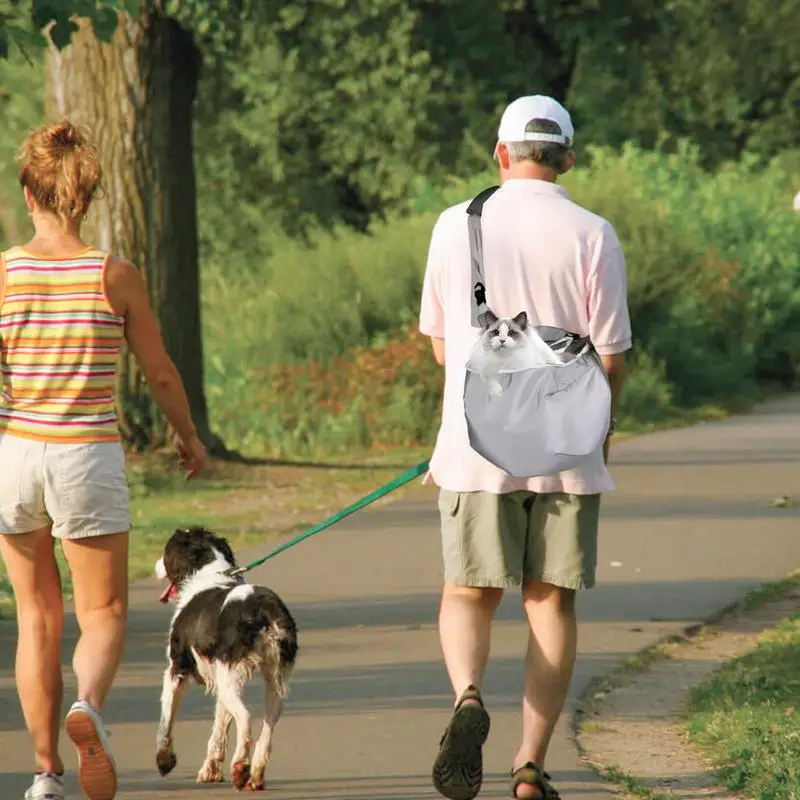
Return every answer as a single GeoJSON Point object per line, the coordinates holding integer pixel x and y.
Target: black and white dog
{"type": "Point", "coordinates": [223, 632]}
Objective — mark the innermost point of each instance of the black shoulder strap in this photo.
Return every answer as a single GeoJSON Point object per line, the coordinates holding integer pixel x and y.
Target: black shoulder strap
{"type": "Point", "coordinates": [476, 206]}
{"type": "Point", "coordinates": [474, 211]}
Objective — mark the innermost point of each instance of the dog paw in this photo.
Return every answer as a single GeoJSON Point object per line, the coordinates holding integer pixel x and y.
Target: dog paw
{"type": "Point", "coordinates": [165, 761]}
{"type": "Point", "coordinates": [210, 772]}
{"type": "Point", "coordinates": [254, 786]}
{"type": "Point", "coordinates": [240, 774]}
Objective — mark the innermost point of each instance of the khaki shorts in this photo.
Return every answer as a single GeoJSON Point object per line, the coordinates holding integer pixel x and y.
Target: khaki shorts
{"type": "Point", "coordinates": [503, 540]}
{"type": "Point", "coordinates": [79, 489]}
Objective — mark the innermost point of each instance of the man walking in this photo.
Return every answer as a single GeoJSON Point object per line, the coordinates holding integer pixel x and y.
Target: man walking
{"type": "Point", "coordinates": [563, 265]}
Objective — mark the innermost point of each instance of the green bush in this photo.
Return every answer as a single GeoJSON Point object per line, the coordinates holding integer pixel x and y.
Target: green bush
{"type": "Point", "coordinates": [714, 288]}
{"type": "Point", "coordinates": [21, 107]}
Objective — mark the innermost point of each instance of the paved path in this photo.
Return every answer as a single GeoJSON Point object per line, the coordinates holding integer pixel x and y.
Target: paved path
{"type": "Point", "coordinates": [688, 531]}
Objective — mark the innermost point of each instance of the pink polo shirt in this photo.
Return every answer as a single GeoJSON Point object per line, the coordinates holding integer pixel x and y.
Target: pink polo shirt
{"type": "Point", "coordinates": [545, 255]}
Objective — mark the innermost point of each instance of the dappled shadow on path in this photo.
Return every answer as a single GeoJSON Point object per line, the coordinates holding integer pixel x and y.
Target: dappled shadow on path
{"type": "Point", "coordinates": [636, 601]}
{"type": "Point", "coordinates": [318, 692]}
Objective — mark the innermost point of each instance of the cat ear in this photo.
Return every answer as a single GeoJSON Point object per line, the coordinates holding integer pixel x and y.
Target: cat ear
{"type": "Point", "coordinates": [488, 318]}
{"type": "Point", "coordinates": [522, 320]}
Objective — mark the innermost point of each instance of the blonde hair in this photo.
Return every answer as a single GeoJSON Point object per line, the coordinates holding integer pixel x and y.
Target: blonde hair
{"type": "Point", "coordinates": [61, 169]}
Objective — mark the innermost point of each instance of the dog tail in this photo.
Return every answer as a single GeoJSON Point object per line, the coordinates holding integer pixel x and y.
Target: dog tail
{"type": "Point", "coordinates": [281, 646]}
{"type": "Point", "coordinates": [279, 636]}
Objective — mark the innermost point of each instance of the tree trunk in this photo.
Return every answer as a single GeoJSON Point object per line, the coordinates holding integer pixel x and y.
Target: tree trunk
{"type": "Point", "coordinates": [136, 94]}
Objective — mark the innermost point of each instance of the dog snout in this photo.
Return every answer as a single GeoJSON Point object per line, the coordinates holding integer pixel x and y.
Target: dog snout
{"type": "Point", "coordinates": [161, 570]}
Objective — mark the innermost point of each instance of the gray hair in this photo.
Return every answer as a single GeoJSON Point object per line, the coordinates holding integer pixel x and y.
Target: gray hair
{"type": "Point", "coordinates": [547, 154]}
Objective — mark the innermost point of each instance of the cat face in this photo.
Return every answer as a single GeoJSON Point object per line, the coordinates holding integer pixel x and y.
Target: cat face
{"type": "Point", "coordinates": [502, 335]}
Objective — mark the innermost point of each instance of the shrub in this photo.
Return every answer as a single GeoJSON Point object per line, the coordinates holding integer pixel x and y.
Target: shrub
{"type": "Point", "coordinates": [314, 351]}
{"type": "Point", "coordinates": [387, 395]}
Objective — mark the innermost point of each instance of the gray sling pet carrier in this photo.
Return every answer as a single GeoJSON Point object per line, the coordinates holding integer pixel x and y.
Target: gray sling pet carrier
{"type": "Point", "coordinates": [548, 418]}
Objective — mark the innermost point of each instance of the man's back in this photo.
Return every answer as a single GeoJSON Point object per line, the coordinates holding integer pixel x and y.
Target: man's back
{"type": "Point", "coordinates": [545, 255]}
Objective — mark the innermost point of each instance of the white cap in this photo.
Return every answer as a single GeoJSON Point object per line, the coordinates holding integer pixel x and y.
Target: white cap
{"type": "Point", "coordinates": [515, 119]}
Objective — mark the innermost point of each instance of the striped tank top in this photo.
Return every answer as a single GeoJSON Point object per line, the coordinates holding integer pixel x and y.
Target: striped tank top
{"type": "Point", "coordinates": [59, 344]}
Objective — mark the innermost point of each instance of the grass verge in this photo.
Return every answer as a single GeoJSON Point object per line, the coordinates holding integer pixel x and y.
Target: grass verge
{"type": "Point", "coordinates": [723, 709]}
{"type": "Point", "coordinates": [246, 504]}
{"type": "Point", "coordinates": [746, 718]}
{"type": "Point", "coordinates": [632, 787]}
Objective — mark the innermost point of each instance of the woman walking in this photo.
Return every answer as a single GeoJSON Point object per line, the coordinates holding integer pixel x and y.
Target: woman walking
{"type": "Point", "coordinates": [65, 308]}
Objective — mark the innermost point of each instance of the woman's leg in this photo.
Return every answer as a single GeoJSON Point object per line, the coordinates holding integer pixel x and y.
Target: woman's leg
{"type": "Point", "coordinates": [32, 569]}
{"type": "Point", "coordinates": [99, 567]}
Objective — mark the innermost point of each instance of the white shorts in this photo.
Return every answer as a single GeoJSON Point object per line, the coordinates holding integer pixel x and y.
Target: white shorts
{"type": "Point", "coordinates": [79, 489]}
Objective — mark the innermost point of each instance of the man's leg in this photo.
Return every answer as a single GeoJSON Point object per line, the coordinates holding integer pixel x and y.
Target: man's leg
{"type": "Point", "coordinates": [465, 625]}
{"type": "Point", "coordinates": [561, 558]}
{"type": "Point", "coordinates": [548, 670]}
{"type": "Point", "coordinates": [481, 558]}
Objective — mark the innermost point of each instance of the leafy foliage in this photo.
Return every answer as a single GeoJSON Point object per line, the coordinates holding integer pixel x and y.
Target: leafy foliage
{"type": "Point", "coordinates": [21, 106]}
{"type": "Point", "coordinates": [332, 110]}
{"type": "Point", "coordinates": [324, 357]}
{"type": "Point", "coordinates": [313, 112]}
{"type": "Point", "coordinates": [726, 75]}
{"type": "Point", "coordinates": [334, 107]}
{"type": "Point", "coordinates": [22, 21]}
{"type": "Point", "coordinates": [215, 25]}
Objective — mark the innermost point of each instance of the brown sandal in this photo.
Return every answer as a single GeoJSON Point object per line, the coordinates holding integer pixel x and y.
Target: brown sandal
{"type": "Point", "coordinates": [530, 775]}
{"type": "Point", "coordinates": [458, 769]}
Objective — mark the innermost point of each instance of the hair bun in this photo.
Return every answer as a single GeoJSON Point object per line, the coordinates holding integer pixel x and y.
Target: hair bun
{"type": "Point", "coordinates": [65, 134]}
{"type": "Point", "coordinates": [61, 168]}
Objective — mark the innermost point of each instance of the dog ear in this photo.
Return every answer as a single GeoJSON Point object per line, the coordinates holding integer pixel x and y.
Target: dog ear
{"type": "Point", "coordinates": [222, 545]}
{"type": "Point", "coordinates": [487, 319]}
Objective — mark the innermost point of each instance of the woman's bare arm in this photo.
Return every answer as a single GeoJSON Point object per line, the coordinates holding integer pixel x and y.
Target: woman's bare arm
{"type": "Point", "coordinates": [127, 294]}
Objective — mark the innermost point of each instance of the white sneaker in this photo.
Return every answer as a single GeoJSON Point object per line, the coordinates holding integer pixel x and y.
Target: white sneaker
{"type": "Point", "coordinates": [97, 772]}
{"type": "Point", "coordinates": [46, 786]}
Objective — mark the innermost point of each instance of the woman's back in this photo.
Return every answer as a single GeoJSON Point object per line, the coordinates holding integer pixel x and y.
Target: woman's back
{"type": "Point", "coordinates": [60, 343]}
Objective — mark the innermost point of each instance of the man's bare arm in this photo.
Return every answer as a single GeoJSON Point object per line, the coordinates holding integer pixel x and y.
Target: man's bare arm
{"type": "Point", "coordinates": [614, 365]}
{"type": "Point", "coordinates": [438, 350]}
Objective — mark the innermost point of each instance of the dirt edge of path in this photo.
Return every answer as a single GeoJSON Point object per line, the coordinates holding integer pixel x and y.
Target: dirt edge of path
{"type": "Point", "coordinates": [629, 725]}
